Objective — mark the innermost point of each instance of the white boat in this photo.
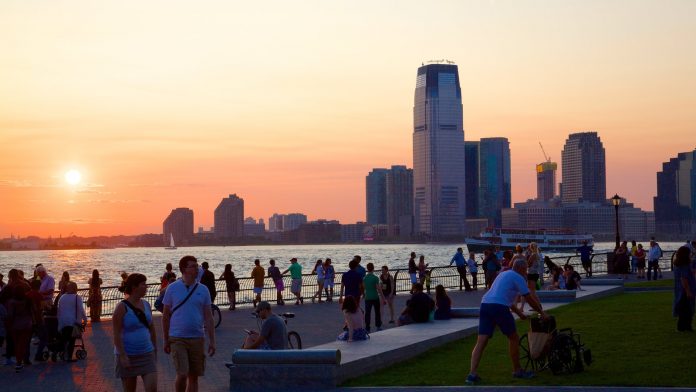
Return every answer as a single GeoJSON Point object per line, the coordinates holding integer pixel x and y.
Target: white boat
{"type": "Point", "coordinates": [171, 242]}
{"type": "Point", "coordinates": [547, 239]}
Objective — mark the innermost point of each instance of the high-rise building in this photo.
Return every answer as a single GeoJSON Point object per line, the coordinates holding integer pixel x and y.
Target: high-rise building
{"type": "Point", "coordinates": [399, 190]}
{"type": "Point", "coordinates": [439, 178]}
{"type": "Point", "coordinates": [254, 228]}
{"type": "Point", "coordinates": [178, 225]}
{"type": "Point", "coordinates": [229, 218]}
{"type": "Point", "coordinates": [546, 180]}
{"type": "Point", "coordinates": [376, 196]}
{"type": "Point", "coordinates": [471, 155]}
{"type": "Point", "coordinates": [293, 221]}
{"type": "Point", "coordinates": [275, 223]}
{"type": "Point", "coordinates": [495, 188]}
{"type": "Point", "coordinates": [675, 203]}
{"type": "Point", "coordinates": [584, 169]}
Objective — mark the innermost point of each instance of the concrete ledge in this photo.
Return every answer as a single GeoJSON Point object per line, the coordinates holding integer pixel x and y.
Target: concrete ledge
{"type": "Point", "coordinates": [464, 312]}
{"type": "Point", "coordinates": [601, 282]}
{"type": "Point", "coordinates": [556, 295]}
{"type": "Point", "coordinates": [262, 370]}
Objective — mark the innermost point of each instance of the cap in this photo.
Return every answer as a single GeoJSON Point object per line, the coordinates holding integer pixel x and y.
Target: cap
{"type": "Point", "coordinates": [263, 305]}
{"type": "Point", "coordinates": [293, 259]}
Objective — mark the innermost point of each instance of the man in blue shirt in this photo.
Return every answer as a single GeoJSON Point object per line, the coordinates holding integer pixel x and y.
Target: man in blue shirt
{"type": "Point", "coordinates": [351, 283]}
{"type": "Point", "coordinates": [461, 267]}
{"type": "Point", "coordinates": [586, 258]}
{"type": "Point", "coordinates": [496, 307]}
{"type": "Point", "coordinates": [359, 268]}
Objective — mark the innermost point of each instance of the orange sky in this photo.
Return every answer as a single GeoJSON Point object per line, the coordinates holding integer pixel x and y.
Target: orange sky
{"type": "Point", "coordinates": [164, 104]}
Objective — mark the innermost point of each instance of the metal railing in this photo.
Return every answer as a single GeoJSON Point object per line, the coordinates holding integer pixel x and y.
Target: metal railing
{"type": "Point", "coordinates": [444, 275]}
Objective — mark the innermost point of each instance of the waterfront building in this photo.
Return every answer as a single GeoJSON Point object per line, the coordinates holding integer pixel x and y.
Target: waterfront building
{"type": "Point", "coordinates": [546, 180]}
{"type": "Point", "coordinates": [229, 218]}
{"type": "Point", "coordinates": [293, 220]}
{"type": "Point", "coordinates": [376, 196]}
{"type": "Point", "coordinates": [254, 228]}
{"type": "Point", "coordinates": [495, 185]}
{"type": "Point", "coordinates": [675, 203]}
{"type": "Point", "coordinates": [178, 225]}
{"type": "Point", "coordinates": [584, 175]}
{"type": "Point", "coordinates": [275, 223]}
{"type": "Point", "coordinates": [471, 155]}
{"type": "Point", "coordinates": [318, 232]}
{"type": "Point", "coordinates": [399, 202]}
{"type": "Point", "coordinates": [438, 154]}
{"type": "Point", "coordinates": [357, 232]}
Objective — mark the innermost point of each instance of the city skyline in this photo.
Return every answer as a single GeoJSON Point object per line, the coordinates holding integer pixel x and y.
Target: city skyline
{"type": "Point", "coordinates": [292, 113]}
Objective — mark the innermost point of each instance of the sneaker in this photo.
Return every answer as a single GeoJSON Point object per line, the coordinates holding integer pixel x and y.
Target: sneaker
{"type": "Point", "coordinates": [523, 374]}
{"type": "Point", "coordinates": [472, 379]}
{"type": "Point", "coordinates": [18, 368]}
{"type": "Point", "coordinates": [301, 300]}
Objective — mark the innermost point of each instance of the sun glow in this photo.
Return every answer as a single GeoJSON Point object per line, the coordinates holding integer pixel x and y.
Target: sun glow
{"type": "Point", "coordinates": [73, 177]}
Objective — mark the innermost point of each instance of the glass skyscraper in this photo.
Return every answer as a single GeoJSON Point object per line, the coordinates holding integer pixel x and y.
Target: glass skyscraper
{"type": "Point", "coordinates": [472, 178]}
{"type": "Point", "coordinates": [376, 196]}
{"type": "Point", "coordinates": [438, 154]}
{"type": "Point", "coordinates": [675, 203]}
{"type": "Point", "coordinates": [495, 188]}
{"type": "Point", "coordinates": [584, 172]}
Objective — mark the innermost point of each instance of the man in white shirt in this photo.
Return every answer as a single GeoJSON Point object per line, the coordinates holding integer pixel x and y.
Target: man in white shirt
{"type": "Point", "coordinates": [496, 307]}
{"type": "Point", "coordinates": [186, 319]}
{"type": "Point", "coordinates": [48, 285]}
{"type": "Point", "coordinates": [654, 254]}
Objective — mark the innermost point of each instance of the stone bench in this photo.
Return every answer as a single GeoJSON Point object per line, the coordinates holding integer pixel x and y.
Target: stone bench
{"type": "Point", "coordinates": [601, 282]}
{"type": "Point", "coordinates": [556, 295]}
{"type": "Point", "coordinates": [464, 312]}
{"type": "Point", "coordinates": [262, 370]}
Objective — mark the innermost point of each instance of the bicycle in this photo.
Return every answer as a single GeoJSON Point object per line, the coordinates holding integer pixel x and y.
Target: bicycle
{"type": "Point", "coordinates": [217, 316]}
{"type": "Point", "coordinates": [294, 340]}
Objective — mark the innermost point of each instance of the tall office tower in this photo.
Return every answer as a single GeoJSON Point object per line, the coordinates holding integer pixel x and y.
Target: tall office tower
{"type": "Point", "coordinates": [399, 189]}
{"type": "Point", "coordinates": [495, 188]}
{"type": "Point", "coordinates": [179, 225]}
{"type": "Point", "coordinates": [584, 169]}
{"type": "Point", "coordinates": [439, 179]}
{"type": "Point", "coordinates": [293, 221]}
{"type": "Point", "coordinates": [472, 178]}
{"type": "Point", "coordinates": [275, 223]}
{"type": "Point", "coordinates": [546, 180]}
{"type": "Point", "coordinates": [229, 218]}
{"type": "Point", "coordinates": [675, 203]}
{"type": "Point", "coordinates": [376, 196]}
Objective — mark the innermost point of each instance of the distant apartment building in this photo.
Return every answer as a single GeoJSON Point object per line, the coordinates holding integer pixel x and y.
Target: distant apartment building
{"type": "Point", "coordinates": [275, 223]}
{"type": "Point", "coordinates": [471, 156]}
{"type": "Point", "coordinates": [495, 185]}
{"type": "Point", "coordinates": [439, 179]}
{"type": "Point", "coordinates": [293, 221]}
{"type": "Point", "coordinates": [399, 192]}
{"type": "Point", "coordinates": [357, 232]}
{"type": "Point", "coordinates": [584, 171]}
{"type": "Point", "coordinates": [178, 225]}
{"type": "Point", "coordinates": [319, 231]}
{"type": "Point", "coordinates": [675, 203]}
{"type": "Point", "coordinates": [376, 196]}
{"type": "Point", "coordinates": [229, 218]}
{"type": "Point", "coordinates": [546, 180]}
{"type": "Point", "coordinates": [253, 227]}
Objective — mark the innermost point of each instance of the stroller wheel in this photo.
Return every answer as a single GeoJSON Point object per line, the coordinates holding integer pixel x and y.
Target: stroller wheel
{"type": "Point", "coordinates": [45, 355]}
{"type": "Point", "coordinates": [81, 354]}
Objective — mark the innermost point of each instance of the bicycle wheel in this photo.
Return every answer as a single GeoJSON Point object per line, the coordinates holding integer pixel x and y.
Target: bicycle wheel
{"type": "Point", "coordinates": [217, 316]}
{"type": "Point", "coordinates": [294, 341]}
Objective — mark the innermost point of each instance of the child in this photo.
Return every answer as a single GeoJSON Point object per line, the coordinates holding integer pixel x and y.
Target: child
{"type": "Point", "coordinates": [473, 269]}
{"type": "Point", "coordinates": [427, 280]}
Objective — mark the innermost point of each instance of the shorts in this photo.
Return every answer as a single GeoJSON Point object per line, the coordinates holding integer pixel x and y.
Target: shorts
{"type": "Point", "coordinates": [140, 365]}
{"type": "Point", "coordinates": [586, 263]}
{"type": "Point", "coordinates": [296, 286]}
{"type": "Point", "coordinates": [279, 285]}
{"type": "Point", "coordinates": [414, 278]}
{"type": "Point", "coordinates": [258, 290]}
{"type": "Point", "coordinates": [532, 277]}
{"type": "Point", "coordinates": [188, 355]}
{"type": "Point", "coordinates": [329, 283]}
{"type": "Point", "coordinates": [496, 314]}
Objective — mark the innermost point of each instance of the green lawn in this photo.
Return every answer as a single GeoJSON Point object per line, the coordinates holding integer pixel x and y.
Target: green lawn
{"type": "Point", "coordinates": [632, 336]}
{"type": "Point", "coordinates": [668, 283]}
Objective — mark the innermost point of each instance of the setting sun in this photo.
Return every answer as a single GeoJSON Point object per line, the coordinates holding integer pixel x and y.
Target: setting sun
{"type": "Point", "coordinates": [73, 177]}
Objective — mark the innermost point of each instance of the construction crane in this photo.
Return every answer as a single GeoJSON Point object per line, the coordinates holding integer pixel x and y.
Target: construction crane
{"type": "Point", "coordinates": [548, 158]}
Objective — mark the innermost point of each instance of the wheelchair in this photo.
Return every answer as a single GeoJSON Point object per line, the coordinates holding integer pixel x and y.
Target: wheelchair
{"type": "Point", "coordinates": [545, 347]}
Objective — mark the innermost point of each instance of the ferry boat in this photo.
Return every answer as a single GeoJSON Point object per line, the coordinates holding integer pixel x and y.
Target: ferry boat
{"type": "Point", "coordinates": [547, 239]}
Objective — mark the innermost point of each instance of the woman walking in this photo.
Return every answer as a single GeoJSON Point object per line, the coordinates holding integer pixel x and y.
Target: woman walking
{"type": "Point", "coordinates": [94, 300]}
{"type": "Point", "coordinates": [319, 270]}
{"type": "Point", "coordinates": [231, 284]}
{"type": "Point", "coordinates": [422, 266]}
{"type": "Point", "coordinates": [135, 341]}
{"type": "Point", "coordinates": [20, 321]}
{"type": "Point", "coordinates": [71, 314]}
{"type": "Point", "coordinates": [534, 265]}
{"type": "Point", "coordinates": [684, 290]}
{"type": "Point", "coordinates": [388, 291]}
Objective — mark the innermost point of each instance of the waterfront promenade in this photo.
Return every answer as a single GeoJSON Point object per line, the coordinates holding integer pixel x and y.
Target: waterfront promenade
{"type": "Point", "coordinates": [317, 324]}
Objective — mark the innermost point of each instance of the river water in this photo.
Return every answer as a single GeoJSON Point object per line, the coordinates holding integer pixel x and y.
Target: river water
{"type": "Point", "coordinates": [151, 261]}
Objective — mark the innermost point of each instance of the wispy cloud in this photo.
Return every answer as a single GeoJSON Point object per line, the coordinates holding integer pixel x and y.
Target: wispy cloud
{"type": "Point", "coordinates": [79, 221]}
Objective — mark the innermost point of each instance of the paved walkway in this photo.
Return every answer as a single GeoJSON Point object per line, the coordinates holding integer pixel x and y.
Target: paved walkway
{"type": "Point", "coordinates": [316, 323]}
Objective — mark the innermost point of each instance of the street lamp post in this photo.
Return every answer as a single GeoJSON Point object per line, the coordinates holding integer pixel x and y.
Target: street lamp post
{"type": "Point", "coordinates": [616, 200]}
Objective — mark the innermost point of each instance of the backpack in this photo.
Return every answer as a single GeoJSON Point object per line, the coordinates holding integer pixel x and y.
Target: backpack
{"type": "Point", "coordinates": [159, 305]}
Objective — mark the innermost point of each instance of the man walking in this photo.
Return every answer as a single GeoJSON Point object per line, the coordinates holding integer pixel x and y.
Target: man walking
{"type": "Point", "coordinates": [654, 254]}
{"type": "Point", "coordinates": [461, 267]}
{"type": "Point", "coordinates": [258, 274]}
{"type": "Point", "coordinates": [496, 307]}
{"type": "Point", "coordinates": [373, 297]}
{"type": "Point", "coordinates": [186, 319]}
{"type": "Point", "coordinates": [295, 270]}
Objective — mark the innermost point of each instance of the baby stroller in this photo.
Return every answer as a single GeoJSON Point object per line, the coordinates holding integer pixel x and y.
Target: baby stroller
{"type": "Point", "coordinates": [56, 347]}
{"type": "Point", "coordinates": [544, 347]}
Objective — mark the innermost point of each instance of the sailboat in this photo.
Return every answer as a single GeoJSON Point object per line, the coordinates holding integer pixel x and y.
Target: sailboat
{"type": "Point", "coordinates": [171, 242]}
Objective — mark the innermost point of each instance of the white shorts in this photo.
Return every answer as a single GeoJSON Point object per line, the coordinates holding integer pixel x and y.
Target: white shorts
{"type": "Point", "coordinates": [258, 290]}
{"type": "Point", "coordinates": [414, 278]}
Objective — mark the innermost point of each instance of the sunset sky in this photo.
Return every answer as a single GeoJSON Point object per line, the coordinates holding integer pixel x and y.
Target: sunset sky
{"type": "Point", "coordinates": [289, 104]}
